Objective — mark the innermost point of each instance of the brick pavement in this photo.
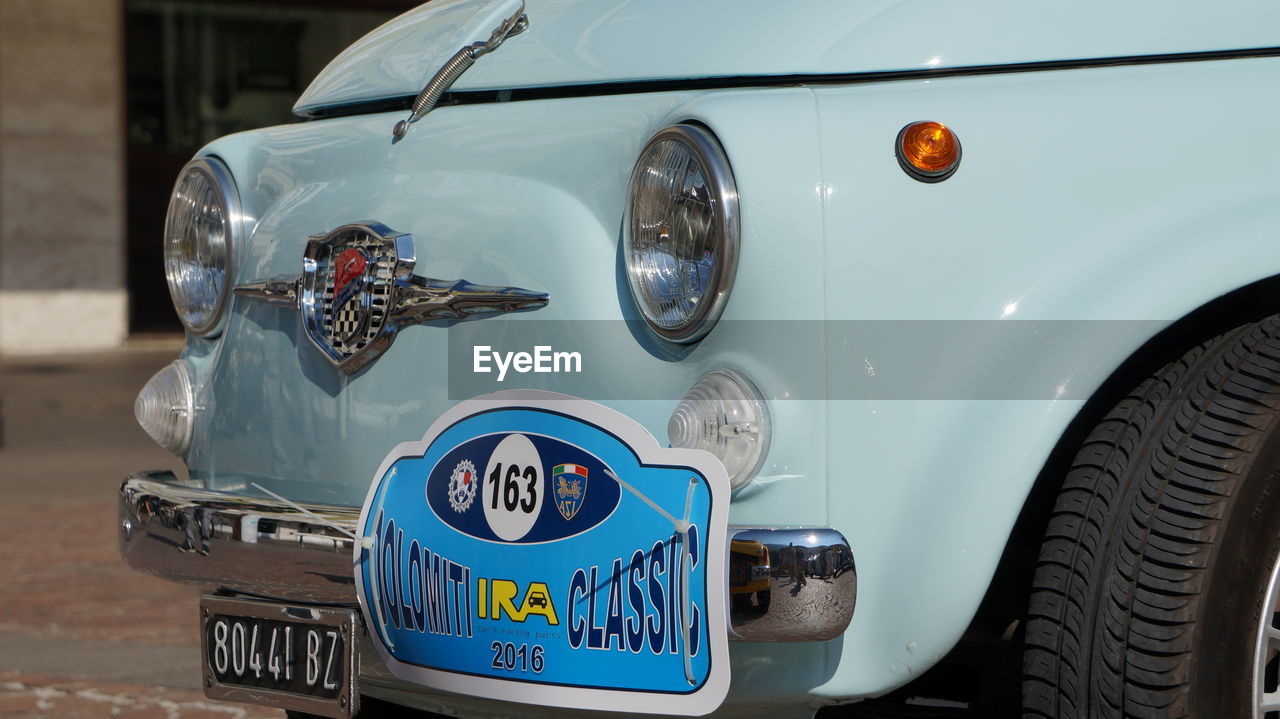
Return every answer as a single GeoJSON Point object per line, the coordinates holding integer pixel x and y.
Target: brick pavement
{"type": "Point", "coordinates": [23, 695]}
{"type": "Point", "coordinates": [73, 584]}
{"type": "Point", "coordinates": [81, 635]}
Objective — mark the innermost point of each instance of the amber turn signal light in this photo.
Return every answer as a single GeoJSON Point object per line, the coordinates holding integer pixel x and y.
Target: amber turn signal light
{"type": "Point", "coordinates": [928, 151]}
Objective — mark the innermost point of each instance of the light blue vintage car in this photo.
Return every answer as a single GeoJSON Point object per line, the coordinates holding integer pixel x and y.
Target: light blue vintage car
{"type": "Point", "coordinates": [588, 356]}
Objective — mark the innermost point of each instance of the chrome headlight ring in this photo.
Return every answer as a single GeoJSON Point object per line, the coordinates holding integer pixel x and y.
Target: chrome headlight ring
{"type": "Point", "coordinates": [202, 232]}
{"type": "Point", "coordinates": [680, 235]}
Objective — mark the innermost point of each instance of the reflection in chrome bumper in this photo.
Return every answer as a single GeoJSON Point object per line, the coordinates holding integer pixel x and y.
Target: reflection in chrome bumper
{"type": "Point", "coordinates": [265, 548]}
{"type": "Point", "coordinates": [244, 545]}
{"type": "Point", "coordinates": [811, 590]}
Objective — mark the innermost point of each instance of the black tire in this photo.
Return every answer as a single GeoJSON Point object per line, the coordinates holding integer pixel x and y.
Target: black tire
{"type": "Point", "coordinates": [763, 599]}
{"type": "Point", "coordinates": [1156, 560]}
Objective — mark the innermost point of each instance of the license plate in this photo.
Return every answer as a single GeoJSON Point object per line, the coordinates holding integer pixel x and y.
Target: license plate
{"type": "Point", "coordinates": [535, 548]}
{"type": "Point", "coordinates": [292, 657]}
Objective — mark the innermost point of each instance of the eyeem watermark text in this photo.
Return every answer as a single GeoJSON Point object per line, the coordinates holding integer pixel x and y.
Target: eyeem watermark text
{"type": "Point", "coordinates": [543, 359]}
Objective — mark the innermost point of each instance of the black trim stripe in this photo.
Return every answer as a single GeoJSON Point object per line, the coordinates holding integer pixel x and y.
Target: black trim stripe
{"type": "Point", "coordinates": [475, 97]}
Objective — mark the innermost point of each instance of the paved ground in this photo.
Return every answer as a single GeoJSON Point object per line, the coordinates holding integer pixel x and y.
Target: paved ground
{"type": "Point", "coordinates": [81, 636]}
{"type": "Point", "coordinates": [792, 607]}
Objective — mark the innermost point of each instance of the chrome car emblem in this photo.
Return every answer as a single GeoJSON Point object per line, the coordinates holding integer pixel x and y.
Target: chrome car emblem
{"type": "Point", "coordinates": [344, 305]}
{"type": "Point", "coordinates": [353, 273]}
{"type": "Point", "coordinates": [357, 290]}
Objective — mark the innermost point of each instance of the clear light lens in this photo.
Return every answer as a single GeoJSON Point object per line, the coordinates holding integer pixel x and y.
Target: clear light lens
{"type": "Point", "coordinates": [198, 242]}
{"type": "Point", "coordinates": [680, 241]}
{"type": "Point", "coordinates": [166, 406]}
{"type": "Point", "coordinates": [725, 415]}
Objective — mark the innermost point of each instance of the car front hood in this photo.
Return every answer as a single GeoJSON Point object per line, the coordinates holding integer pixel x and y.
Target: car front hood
{"type": "Point", "coordinates": [583, 42]}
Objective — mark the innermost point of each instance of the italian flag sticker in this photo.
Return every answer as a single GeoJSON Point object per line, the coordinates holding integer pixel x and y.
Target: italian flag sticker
{"type": "Point", "coordinates": [569, 469]}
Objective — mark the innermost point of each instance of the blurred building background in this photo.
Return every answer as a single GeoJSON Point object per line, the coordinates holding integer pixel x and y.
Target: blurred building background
{"type": "Point", "coordinates": [101, 103]}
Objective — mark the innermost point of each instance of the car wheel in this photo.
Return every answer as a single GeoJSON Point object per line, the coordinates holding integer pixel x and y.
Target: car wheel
{"type": "Point", "coordinates": [762, 600]}
{"type": "Point", "coordinates": [1156, 589]}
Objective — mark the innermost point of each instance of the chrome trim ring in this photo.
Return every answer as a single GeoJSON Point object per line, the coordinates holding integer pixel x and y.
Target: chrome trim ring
{"type": "Point", "coordinates": [726, 221]}
{"type": "Point", "coordinates": [220, 176]}
{"type": "Point", "coordinates": [268, 549]}
{"type": "Point", "coordinates": [1266, 653]}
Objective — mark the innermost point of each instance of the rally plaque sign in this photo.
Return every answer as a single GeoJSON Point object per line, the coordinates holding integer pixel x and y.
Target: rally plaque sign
{"type": "Point", "coordinates": [538, 548]}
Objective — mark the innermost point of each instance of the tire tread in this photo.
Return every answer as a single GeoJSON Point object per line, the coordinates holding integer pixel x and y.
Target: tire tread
{"type": "Point", "coordinates": [1122, 569]}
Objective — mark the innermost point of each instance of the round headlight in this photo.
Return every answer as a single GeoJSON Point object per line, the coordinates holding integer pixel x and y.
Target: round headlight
{"type": "Point", "coordinates": [726, 415]}
{"type": "Point", "coordinates": [680, 238]}
{"type": "Point", "coordinates": [200, 235]}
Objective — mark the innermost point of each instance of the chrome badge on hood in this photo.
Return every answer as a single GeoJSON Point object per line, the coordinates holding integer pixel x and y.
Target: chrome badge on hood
{"type": "Point", "coordinates": [357, 289]}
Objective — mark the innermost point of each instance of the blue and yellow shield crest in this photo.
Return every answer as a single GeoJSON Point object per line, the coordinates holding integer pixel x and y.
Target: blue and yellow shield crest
{"type": "Point", "coordinates": [569, 485]}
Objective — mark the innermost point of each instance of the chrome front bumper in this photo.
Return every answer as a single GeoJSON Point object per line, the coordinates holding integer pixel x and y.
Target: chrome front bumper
{"type": "Point", "coordinates": [264, 548]}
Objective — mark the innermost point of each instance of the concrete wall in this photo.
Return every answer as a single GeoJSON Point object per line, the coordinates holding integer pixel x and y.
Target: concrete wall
{"type": "Point", "coordinates": [62, 223]}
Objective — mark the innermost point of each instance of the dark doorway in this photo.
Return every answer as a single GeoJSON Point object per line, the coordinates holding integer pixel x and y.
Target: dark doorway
{"type": "Point", "coordinates": [200, 69]}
